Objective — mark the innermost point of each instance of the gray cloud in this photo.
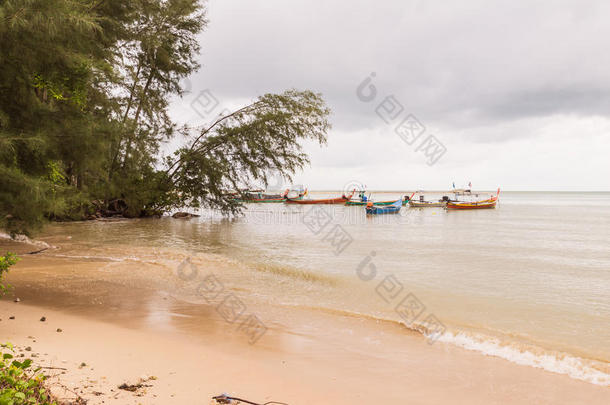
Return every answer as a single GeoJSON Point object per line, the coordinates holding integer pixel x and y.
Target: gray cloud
{"type": "Point", "coordinates": [471, 71]}
{"type": "Point", "coordinates": [500, 59]}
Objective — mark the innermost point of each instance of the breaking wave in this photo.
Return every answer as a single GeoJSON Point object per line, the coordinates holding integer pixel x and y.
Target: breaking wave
{"type": "Point", "coordinates": [588, 370]}
{"type": "Point", "coordinates": [26, 240]}
{"type": "Point", "coordinates": [591, 371]}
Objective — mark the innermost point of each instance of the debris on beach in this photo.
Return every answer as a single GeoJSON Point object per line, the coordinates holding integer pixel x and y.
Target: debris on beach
{"type": "Point", "coordinates": [38, 251]}
{"type": "Point", "coordinates": [17, 299]}
{"type": "Point", "coordinates": [141, 384]}
{"type": "Point", "coordinates": [133, 387]}
{"type": "Point", "coordinates": [226, 399]}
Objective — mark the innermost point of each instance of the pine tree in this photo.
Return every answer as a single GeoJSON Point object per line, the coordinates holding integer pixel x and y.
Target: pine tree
{"type": "Point", "coordinates": [84, 90]}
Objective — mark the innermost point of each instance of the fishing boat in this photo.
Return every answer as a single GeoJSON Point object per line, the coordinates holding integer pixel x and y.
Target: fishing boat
{"type": "Point", "coordinates": [394, 208]}
{"type": "Point", "coordinates": [362, 199]}
{"type": "Point", "coordinates": [421, 203]}
{"type": "Point", "coordinates": [296, 192]}
{"type": "Point", "coordinates": [405, 201]}
{"type": "Point", "coordinates": [341, 200]}
{"type": "Point", "coordinates": [475, 205]}
{"type": "Point", "coordinates": [427, 204]}
{"type": "Point", "coordinates": [378, 203]}
{"type": "Point", "coordinates": [258, 196]}
{"type": "Point", "coordinates": [261, 200]}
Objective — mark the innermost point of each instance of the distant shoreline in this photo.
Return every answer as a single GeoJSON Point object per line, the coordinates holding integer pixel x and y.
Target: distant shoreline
{"type": "Point", "coordinates": [473, 191]}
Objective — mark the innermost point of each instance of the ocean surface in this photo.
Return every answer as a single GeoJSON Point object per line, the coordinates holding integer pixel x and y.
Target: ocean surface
{"type": "Point", "coordinates": [528, 281]}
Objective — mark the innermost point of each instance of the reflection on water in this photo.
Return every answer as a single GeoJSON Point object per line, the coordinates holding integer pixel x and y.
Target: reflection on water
{"type": "Point", "coordinates": [534, 271]}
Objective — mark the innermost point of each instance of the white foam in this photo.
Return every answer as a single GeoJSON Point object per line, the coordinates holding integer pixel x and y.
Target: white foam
{"type": "Point", "coordinates": [25, 239]}
{"type": "Point", "coordinates": [560, 363]}
{"type": "Point", "coordinates": [90, 257]}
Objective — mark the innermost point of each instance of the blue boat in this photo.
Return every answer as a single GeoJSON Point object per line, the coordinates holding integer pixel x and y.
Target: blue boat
{"type": "Point", "coordinates": [388, 209]}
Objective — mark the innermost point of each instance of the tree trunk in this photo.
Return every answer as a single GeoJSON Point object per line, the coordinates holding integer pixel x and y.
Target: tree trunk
{"type": "Point", "coordinates": [115, 155]}
{"type": "Point", "coordinates": [137, 116]}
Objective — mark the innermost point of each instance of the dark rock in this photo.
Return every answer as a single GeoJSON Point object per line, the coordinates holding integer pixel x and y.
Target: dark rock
{"type": "Point", "coordinates": [43, 319]}
{"type": "Point", "coordinates": [117, 205]}
{"type": "Point", "coordinates": [59, 330]}
{"type": "Point", "coordinates": [11, 317]}
{"type": "Point", "coordinates": [184, 215]}
{"type": "Point", "coordinates": [28, 349]}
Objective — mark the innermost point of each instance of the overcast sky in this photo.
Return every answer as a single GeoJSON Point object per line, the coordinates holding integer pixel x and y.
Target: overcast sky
{"type": "Point", "coordinates": [517, 93]}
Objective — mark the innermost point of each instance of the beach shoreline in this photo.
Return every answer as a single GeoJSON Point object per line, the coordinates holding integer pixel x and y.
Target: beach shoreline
{"type": "Point", "coordinates": [193, 353]}
{"type": "Point", "coordinates": [178, 369]}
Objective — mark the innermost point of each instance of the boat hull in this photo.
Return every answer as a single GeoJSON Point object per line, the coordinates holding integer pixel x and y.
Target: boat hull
{"type": "Point", "coordinates": [319, 201]}
{"type": "Point", "coordinates": [419, 204]}
{"type": "Point", "coordinates": [379, 203]}
{"type": "Point", "coordinates": [394, 208]}
{"type": "Point", "coordinates": [479, 205]}
{"type": "Point", "coordinates": [263, 200]}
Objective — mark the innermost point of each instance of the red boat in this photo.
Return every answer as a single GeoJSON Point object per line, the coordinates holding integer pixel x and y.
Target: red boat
{"type": "Point", "coordinates": [341, 200]}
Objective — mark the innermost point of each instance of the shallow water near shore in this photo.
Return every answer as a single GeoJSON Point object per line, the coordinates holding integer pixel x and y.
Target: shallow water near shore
{"type": "Point", "coordinates": [528, 281]}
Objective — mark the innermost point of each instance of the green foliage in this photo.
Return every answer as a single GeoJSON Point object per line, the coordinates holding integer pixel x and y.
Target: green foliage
{"type": "Point", "coordinates": [23, 200]}
{"type": "Point", "coordinates": [242, 147]}
{"type": "Point", "coordinates": [84, 112]}
{"type": "Point", "coordinates": [6, 261]}
{"type": "Point", "coordinates": [19, 384]}
{"type": "Point", "coordinates": [48, 61]}
{"type": "Point", "coordinates": [56, 175]}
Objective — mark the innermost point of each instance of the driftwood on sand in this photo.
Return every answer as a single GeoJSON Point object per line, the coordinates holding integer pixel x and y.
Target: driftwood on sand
{"type": "Point", "coordinates": [225, 399]}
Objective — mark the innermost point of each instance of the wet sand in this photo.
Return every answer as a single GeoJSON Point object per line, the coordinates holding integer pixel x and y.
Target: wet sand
{"type": "Point", "coordinates": [124, 327]}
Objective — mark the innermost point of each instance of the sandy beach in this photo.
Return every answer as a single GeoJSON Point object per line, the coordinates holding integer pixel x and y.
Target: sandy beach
{"type": "Point", "coordinates": [294, 203]}
{"type": "Point", "coordinates": [186, 353]}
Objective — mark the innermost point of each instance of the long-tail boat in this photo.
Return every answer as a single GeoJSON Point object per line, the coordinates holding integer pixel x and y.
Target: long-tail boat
{"type": "Point", "coordinates": [421, 203]}
{"type": "Point", "coordinates": [378, 203]}
{"type": "Point", "coordinates": [427, 204]}
{"type": "Point", "coordinates": [257, 196]}
{"type": "Point", "coordinates": [476, 205]}
{"type": "Point", "coordinates": [261, 200]}
{"type": "Point", "coordinates": [341, 200]}
{"type": "Point", "coordinates": [405, 201]}
{"type": "Point", "coordinates": [394, 208]}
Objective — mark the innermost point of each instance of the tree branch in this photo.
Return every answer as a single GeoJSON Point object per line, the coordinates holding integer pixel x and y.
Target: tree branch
{"type": "Point", "coordinates": [205, 132]}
